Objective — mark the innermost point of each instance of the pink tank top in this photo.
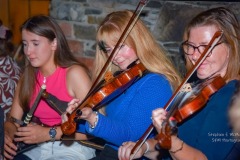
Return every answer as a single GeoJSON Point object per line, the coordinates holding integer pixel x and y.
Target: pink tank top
{"type": "Point", "coordinates": [57, 86]}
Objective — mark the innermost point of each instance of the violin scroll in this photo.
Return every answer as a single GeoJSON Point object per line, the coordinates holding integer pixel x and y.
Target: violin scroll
{"type": "Point", "coordinates": [164, 137]}
{"type": "Point", "coordinates": [69, 127]}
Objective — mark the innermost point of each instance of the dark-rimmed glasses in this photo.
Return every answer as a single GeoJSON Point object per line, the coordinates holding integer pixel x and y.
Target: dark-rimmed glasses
{"type": "Point", "coordinates": [189, 49]}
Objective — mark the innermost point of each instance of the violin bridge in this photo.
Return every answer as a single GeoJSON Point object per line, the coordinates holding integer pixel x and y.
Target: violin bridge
{"type": "Point", "coordinates": [108, 76]}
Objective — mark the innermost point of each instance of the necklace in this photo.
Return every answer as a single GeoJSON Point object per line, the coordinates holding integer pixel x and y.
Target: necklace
{"type": "Point", "coordinates": [44, 80]}
{"type": "Point", "coordinates": [45, 77]}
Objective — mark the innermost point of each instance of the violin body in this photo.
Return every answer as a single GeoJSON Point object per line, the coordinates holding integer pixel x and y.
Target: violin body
{"type": "Point", "coordinates": [105, 94]}
{"type": "Point", "coordinates": [190, 106]}
{"type": "Point", "coordinates": [116, 86]}
{"type": "Point", "coordinates": [207, 88]}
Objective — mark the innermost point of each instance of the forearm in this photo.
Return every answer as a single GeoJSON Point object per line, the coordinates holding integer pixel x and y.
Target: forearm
{"type": "Point", "coordinates": [81, 136]}
{"type": "Point", "coordinates": [180, 150]}
{"type": "Point", "coordinates": [59, 133]}
{"type": "Point", "coordinates": [75, 136]}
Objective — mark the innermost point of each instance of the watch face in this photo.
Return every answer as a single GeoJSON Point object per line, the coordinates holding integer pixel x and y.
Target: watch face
{"type": "Point", "coordinates": [52, 132]}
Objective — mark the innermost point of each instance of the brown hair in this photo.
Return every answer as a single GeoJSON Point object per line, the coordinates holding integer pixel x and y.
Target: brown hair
{"type": "Point", "coordinates": [224, 20]}
{"type": "Point", "coordinates": [47, 27]}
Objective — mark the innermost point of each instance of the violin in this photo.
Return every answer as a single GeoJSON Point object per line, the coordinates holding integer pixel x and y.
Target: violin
{"type": "Point", "coordinates": [104, 94]}
{"type": "Point", "coordinates": [189, 108]}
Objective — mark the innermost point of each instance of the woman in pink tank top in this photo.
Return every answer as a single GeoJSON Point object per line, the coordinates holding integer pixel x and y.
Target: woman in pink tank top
{"type": "Point", "coordinates": [49, 61]}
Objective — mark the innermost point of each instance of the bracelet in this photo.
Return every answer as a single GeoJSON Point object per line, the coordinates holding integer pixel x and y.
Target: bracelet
{"type": "Point", "coordinates": [178, 149]}
{"type": "Point", "coordinates": [95, 123]}
{"type": "Point", "coordinates": [14, 120]}
{"type": "Point", "coordinates": [147, 147]}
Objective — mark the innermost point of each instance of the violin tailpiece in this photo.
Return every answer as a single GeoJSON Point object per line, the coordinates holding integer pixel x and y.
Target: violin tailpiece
{"type": "Point", "coordinates": [140, 73]}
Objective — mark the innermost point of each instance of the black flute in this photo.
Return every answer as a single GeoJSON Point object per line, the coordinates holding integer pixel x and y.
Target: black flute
{"type": "Point", "coordinates": [22, 147]}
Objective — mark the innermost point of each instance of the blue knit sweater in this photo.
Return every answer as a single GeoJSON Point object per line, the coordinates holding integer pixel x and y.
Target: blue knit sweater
{"type": "Point", "coordinates": [128, 116]}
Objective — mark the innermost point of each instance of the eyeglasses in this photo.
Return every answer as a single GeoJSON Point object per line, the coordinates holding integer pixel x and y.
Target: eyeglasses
{"type": "Point", "coordinates": [189, 49]}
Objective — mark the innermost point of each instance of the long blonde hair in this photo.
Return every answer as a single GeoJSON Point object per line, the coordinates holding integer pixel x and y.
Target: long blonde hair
{"type": "Point", "coordinates": [149, 52]}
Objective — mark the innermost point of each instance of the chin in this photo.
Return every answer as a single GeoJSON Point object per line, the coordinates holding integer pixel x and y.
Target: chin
{"type": "Point", "coordinates": [202, 76]}
{"type": "Point", "coordinates": [34, 64]}
{"type": "Point", "coordinates": [122, 67]}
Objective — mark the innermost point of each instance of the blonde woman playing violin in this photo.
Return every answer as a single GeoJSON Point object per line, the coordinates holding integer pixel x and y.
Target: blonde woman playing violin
{"type": "Point", "coordinates": [205, 135]}
{"type": "Point", "coordinates": [127, 116]}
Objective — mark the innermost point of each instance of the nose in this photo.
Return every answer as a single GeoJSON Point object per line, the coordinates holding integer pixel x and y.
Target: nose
{"type": "Point", "coordinates": [117, 55]}
{"type": "Point", "coordinates": [195, 55]}
{"type": "Point", "coordinates": [27, 50]}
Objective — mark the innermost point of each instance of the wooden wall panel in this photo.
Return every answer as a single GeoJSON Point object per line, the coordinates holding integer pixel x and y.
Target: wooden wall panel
{"type": "Point", "coordinates": [39, 7]}
{"type": "Point", "coordinates": [19, 12]}
{"type": "Point", "coordinates": [15, 12]}
{"type": "Point", "coordinates": [4, 12]}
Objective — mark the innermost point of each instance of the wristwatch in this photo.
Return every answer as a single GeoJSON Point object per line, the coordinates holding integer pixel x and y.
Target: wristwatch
{"type": "Point", "coordinates": [52, 133]}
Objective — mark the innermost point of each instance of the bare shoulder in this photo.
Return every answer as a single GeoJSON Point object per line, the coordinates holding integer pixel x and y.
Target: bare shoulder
{"type": "Point", "coordinates": [78, 80]}
{"type": "Point", "coordinates": [76, 70]}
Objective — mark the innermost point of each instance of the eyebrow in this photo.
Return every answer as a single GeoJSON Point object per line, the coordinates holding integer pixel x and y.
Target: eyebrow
{"type": "Point", "coordinates": [202, 43]}
{"type": "Point", "coordinates": [33, 40]}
